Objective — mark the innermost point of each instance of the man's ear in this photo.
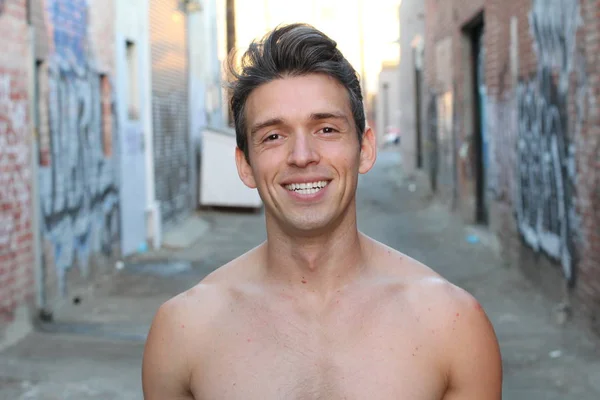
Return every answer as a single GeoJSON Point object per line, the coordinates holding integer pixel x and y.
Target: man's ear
{"type": "Point", "coordinates": [368, 151]}
{"type": "Point", "coordinates": [244, 169]}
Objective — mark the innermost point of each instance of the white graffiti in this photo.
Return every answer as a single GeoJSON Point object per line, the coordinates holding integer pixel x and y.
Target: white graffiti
{"type": "Point", "coordinates": [545, 150]}
{"type": "Point", "coordinates": [543, 203]}
{"type": "Point", "coordinates": [554, 25]}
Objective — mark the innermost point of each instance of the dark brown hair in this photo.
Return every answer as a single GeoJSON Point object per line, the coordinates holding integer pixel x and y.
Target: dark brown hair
{"type": "Point", "coordinates": [290, 50]}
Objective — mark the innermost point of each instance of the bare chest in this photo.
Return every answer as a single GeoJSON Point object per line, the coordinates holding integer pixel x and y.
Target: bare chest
{"type": "Point", "coordinates": [265, 358]}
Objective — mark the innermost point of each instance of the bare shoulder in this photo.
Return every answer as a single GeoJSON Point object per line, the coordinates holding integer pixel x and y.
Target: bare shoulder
{"type": "Point", "coordinates": [445, 307]}
{"type": "Point", "coordinates": [466, 340]}
{"type": "Point", "coordinates": [197, 307]}
{"type": "Point", "coordinates": [178, 334]}
{"type": "Point", "coordinates": [452, 312]}
{"type": "Point", "coordinates": [453, 321]}
{"type": "Point", "coordinates": [182, 331]}
{"type": "Point", "coordinates": [472, 360]}
{"type": "Point", "coordinates": [424, 288]}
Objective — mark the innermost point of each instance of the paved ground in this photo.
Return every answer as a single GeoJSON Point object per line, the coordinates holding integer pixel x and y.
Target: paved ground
{"type": "Point", "coordinates": [94, 350]}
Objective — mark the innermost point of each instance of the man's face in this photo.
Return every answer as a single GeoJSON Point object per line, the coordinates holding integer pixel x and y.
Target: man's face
{"type": "Point", "coordinates": [304, 151]}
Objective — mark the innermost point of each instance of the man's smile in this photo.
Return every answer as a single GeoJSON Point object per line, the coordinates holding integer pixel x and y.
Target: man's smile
{"type": "Point", "coordinates": [307, 187]}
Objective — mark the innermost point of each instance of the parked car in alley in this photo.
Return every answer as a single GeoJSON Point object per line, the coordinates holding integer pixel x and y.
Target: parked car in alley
{"type": "Point", "coordinates": [391, 137]}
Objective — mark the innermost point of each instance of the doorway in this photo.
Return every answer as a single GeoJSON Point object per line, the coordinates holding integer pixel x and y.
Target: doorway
{"type": "Point", "coordinates": [418, 73]}
{"type": "Point", "coordinates": [476, 32]}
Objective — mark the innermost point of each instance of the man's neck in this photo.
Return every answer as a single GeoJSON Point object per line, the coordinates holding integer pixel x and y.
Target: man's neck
{"type": "Point", "coordinates": [323, 263]}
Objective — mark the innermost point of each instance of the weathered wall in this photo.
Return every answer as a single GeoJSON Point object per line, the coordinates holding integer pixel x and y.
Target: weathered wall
{"type": "Point", "coordinates": [170, 109]}
{"type": "Point", "coordinates": [546, 132]}
{"type": "Point", "coordinates": [544, 176]}
{"type": "Point", "coordinates": [588, 163]}
{"type": "Point", "coordinates": [78, 171]}
{"type": "Point", "coordinates": [134, 115]}
{"type": "Point", "coordinates": [16, 245]}
{"type": "Point", "coordinates": [541, 83]}
{"type": "Point", "coordinates": [412, 29]}
{"type": "Point", "coordinates": [448, 104]}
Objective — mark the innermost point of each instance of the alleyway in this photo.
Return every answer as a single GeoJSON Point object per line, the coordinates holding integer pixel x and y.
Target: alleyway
{"type": "Point", "coordinates": [94, 349]}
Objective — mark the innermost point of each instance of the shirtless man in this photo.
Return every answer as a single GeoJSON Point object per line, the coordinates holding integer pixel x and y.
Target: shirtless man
{"type": "Point", "coordinates": [319, 310]}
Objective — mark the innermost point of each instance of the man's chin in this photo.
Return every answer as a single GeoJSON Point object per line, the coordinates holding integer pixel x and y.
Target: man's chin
{"type": "Point", "coordinates": [304, 222]}
{"type": "Point", "coordinates": [306, 228]}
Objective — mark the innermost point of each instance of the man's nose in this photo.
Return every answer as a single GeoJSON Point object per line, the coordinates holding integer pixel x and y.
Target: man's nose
{"type": "Point", "coordinates": [303, 151]}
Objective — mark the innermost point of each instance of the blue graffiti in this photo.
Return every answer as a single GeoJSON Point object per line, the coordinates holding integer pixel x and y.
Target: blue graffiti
{"type": "Point", "coordinates": [70, 21]}
{"type": "Point", "coordinates": [79, 186]}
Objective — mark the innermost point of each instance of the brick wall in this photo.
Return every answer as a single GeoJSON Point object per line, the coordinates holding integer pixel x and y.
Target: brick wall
{"type": "Point", "coordinates": [588, 164]}
{"type": "Point", "coordinates": [542, 182]}
{"type": "Point", "coordinates": [16, 247]}
{"type": "Point", "coordinates": [170, 109]}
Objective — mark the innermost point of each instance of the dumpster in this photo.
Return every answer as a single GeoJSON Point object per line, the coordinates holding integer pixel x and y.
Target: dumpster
{"type": "Point", "coordinates": [220, 184]}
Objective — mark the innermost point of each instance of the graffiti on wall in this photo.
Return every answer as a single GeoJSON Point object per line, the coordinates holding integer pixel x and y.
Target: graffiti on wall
{"type": "Point", "coordinates": [554, 25]}
{"type": "Point", "coordinates": [78, 180]}
{"type": "Point", "coordinates": [545, 147]}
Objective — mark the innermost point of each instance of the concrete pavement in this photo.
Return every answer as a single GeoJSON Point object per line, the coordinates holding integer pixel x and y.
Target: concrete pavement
{"type": "Point", "coordinates": [94, 349]}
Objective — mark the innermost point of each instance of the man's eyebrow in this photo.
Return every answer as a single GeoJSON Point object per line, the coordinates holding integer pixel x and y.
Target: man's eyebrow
{"type": "Point", "coordinates": [328, 115]}
{"type": "Point", "coordinates": [265, 124]}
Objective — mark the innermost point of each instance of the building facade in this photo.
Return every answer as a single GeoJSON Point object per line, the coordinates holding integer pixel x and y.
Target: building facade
{"type": "Point", "coordinates": [137, 200]}
{"type": "Point", "coordinates": [410, 76]}
{"type": "Point", "coordinates": [387, 105]}
{"type": "Point", "coordinates": [17, 253]}
{"type": "Point", "coordinates": [74, 112]}
{"type": "Point", "coordinates": [95, 134]}
{"type": "Point", "coordinates": [512, 102]}
{"type": "Point", "coordinates": [170, 113]}
{"type": "Point", "coordinates": [59, 145]}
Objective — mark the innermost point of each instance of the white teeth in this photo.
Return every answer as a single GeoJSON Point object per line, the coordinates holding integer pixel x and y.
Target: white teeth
{"type": "Point", "coordinates": [307, 191]}
{"type": "Point", "coordinates": [307, 188]}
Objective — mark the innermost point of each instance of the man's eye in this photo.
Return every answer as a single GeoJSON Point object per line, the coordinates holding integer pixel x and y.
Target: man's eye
{"type": "Point", "coordinates": [272, 137]}
{"type": "Point", "coordinates": [328, 129]}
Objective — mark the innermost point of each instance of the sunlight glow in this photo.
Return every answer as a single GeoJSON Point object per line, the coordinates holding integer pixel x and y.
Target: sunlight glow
{"type": "Point", "coordinates": [366, 31]}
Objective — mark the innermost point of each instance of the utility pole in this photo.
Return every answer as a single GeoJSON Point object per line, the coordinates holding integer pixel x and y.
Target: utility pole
{"type": "Point", "coordinates": [386, 111]}
{"type": "Point", "coordinates": [230, 25]}
{"type": "Point", "coordinates": [230, 20]}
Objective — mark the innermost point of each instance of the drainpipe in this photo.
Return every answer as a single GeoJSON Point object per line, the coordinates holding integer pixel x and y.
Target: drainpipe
{"type": "Point", "coordinates": [36, 226]}
{"type": "Point", "coordinates": [231, 38]}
